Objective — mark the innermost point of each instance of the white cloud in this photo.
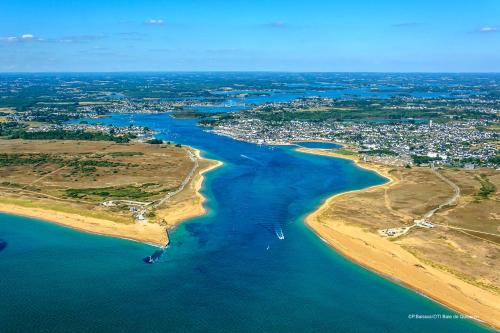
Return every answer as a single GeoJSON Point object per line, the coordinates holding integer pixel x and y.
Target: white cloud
{"type": "Point", "coordinates": [488, 29]}
{"type": "Point", "coordinates": [31, 38]}
{"type": "Point", "coordinates": [154, 22]}
{"type": "Point", "coordinates": [10, 39]}
{"type": "Point", "coordinates": [22, 38]}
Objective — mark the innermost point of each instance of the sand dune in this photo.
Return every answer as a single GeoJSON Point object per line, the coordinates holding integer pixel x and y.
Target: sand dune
{"type": "Point", "coordinates": [393, 261]}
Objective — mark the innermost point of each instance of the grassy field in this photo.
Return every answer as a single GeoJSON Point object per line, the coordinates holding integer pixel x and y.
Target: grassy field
{"type": "Point", "coordinates": [493, 127]}
{"type": "Point", "coordinates": [466, 239]}
{"type": "Point", "coordinates": [78, 175]}
{"type": "Point", "coordinates": [345, 152]}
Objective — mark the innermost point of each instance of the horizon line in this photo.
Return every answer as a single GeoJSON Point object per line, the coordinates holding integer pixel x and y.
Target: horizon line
{"type": "Point", "coordinates": [249, 71]}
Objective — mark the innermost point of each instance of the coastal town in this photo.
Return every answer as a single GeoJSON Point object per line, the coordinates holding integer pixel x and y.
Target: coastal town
{"type": "Point", "coordinates": [458, 128]}
{"type": "Point", "coordinates": [137, 132]}
{"type": "Point", "coordinates": [453, 143]}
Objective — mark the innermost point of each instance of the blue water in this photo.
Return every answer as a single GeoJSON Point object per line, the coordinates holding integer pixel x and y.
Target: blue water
{"type": "Point", "coordinates": [278, 96]}
{"type": "Point", "coordinates": [224, 272]}
{"type": "Point", "coordinates": [281, 95]}
{"type": "Point", "coordinates": [226, 107]}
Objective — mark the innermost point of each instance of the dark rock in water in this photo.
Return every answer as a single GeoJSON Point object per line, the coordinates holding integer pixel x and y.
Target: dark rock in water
{"type": "Point", "coordinates": [148, 260]}
{"type": "Point", "coordinates": [154, 257]}
{"type": "Point", "coordinates": [3, 245]}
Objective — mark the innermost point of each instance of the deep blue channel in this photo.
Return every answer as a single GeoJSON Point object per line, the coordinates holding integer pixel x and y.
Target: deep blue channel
{"type": "Point", "coordinates": [227, 271]}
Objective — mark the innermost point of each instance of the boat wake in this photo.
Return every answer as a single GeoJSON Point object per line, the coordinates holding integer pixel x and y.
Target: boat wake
{"type": "Point", "coordinates": [251, 159]}
{"type": "Point", "coordinates": [276, 230]}
{"type": "Point", "coordinates": [279, 233]}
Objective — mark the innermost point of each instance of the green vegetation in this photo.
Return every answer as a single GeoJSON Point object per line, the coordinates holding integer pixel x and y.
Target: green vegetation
{"type": "Point", "coordinates": [487, 188]}
{"type": "Point", "coordinates": [82, 165]}
{"type": "Point", "coordinates": [418, 160]}
{"type": "Point", "coordinates": [126, 153]}
{"type": "Point", "coordinates": [7, 128]}
{"type": "Point", "coordinates": [54, 117]}
{"type": "Point", "coordinates": [492, 127]}
{"type": "Point", "coordinates": [69, 135]}
{"type": "Point", "coordinates": [28, 159]}
{"type": "Point", "coordinates": [114, 192]}
{"type": "Point", "coordinates": [346, 152]}
{"type": "Point", "coordinates": [95, 163]}
{"type": "Point", "coordinates": [360, 111]}
{"type": "Point", "coordinates": [155, 141]}
{"type": "Point", "coordinates": [11, 184]}
{"type": "Point", "coordinates": [208, 122]}
{"type": "Point", "coordinates": [495, 160]}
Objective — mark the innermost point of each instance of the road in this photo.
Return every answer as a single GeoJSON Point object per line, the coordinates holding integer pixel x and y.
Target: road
{"type": "Point", "coordinates": [186, 181]}
{"type": "Point", "coordinates": [450, 201]}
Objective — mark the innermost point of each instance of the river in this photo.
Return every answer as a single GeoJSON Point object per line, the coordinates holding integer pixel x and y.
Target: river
{"type": "Point", "coordinates": [227, 271]}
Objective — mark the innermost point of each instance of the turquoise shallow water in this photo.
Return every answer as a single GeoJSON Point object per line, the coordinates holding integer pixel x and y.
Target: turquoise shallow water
{"type": "Point", "coordinates": [225, 272]}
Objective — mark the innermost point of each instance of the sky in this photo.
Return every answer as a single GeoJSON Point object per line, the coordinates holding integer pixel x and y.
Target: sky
{"type": "Point", "coordinates": [251, 35]}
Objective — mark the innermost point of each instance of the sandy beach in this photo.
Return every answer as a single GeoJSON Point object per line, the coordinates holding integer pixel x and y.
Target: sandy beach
{"type": "Point", "coordinates": [150, 233]}
{"type": "Point", "coordinates": [394, 262]}
{"type": "Point", "coordinates": [184, 205]}
{"type": "Point", "coordinates": [190, 202]}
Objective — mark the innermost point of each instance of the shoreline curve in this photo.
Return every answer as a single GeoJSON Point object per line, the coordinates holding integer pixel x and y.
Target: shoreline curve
{"type": "Point", "coordinates": [393, 262]}
{"type": "Point", "coordinates": [153, 234]}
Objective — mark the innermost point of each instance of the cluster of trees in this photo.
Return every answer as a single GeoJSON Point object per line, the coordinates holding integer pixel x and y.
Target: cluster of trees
{"type": "Point", "coordinates": [476, 161]}
{"type": "Point", "coordinates": [39, 159]}
{"type": "Point", "coordinates": [126, 153]}
{"type": "Point", "coordinates": [69, 135]}
{"type": "Point", "coordinates": [368, 113]}
{"type": "Point", "coordinates": [118, 192]}
{"type": "Point", "coordinates": [28, 159]}
{"type": "Point", "coordinates": [79, 163]}
{"type": "Point", "coordinates": [7, 128]}
{"type": "Point", "coordinates": [495, 160]}
{"type": "Point", "coordinates": [156, 141]}
{"type": "Point", "coordinates": [417, 159]}
{"type": "Point", "coordinates": [55, 118]}
{"type": "Point", "coordinates": [487, 188]}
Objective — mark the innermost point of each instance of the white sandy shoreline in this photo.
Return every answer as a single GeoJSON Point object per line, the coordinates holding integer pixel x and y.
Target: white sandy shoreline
{"type": "Point", "coordinates": [392, 262]}
{"type": "Point", "coordinates": [152, 234]}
